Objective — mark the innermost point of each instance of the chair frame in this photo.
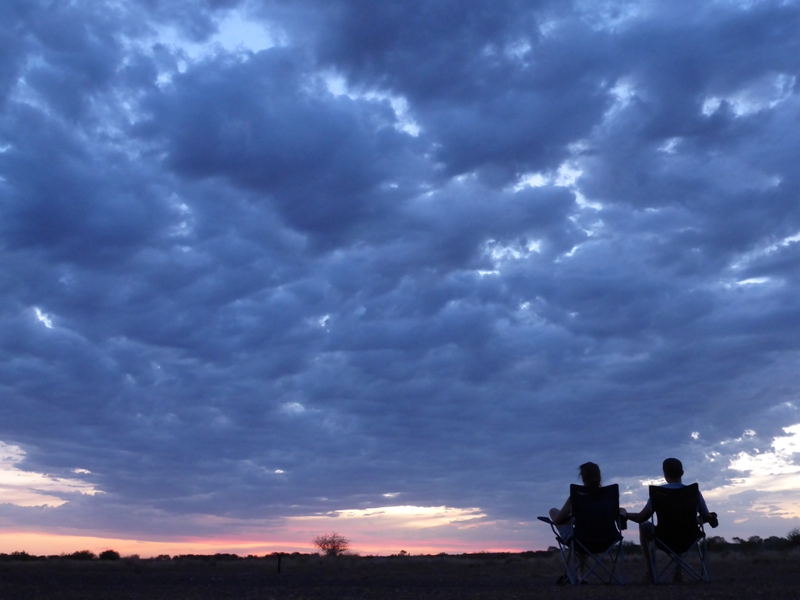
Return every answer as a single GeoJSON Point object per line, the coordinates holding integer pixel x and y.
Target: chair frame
{"type": "Point", "coordinates": [678, 560]}
{"type": "Point", "coordinates": [572, 549]}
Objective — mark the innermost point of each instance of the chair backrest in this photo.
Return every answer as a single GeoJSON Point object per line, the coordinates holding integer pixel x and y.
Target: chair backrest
{"type": "Point", "coordinates": [596, 514]}
{"type": "Point", "coordinates": [676, 515]}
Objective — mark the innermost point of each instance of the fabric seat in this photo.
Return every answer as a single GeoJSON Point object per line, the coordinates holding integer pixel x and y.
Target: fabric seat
{"type": "Point", "coordinates": [596, 539]}
{"type": "Point", "coordinates": [677, 533]}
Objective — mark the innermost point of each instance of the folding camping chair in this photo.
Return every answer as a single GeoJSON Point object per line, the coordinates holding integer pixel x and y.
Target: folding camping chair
{"type": "Point", "coordinates": [677, 533]}
{"type": "Point", "coordinates": [596, 535]}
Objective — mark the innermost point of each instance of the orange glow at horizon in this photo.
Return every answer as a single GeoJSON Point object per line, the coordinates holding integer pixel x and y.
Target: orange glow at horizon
{"type": "Point", "coordinates": [44, 544]}
{"type": "Point", "coordinates": [50, 544]}
{"type": "Point", "coordinates": [376, 531]}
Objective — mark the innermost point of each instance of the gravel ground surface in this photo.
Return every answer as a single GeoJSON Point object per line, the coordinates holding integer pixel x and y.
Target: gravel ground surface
{"type": "Point", "coordinates": [441, 577]}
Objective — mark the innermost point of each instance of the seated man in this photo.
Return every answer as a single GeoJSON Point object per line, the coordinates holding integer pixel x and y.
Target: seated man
{"type": "Point", "coordinates": [673, 474]}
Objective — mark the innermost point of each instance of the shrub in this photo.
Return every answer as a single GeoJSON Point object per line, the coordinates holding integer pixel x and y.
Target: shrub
{"type": "Point", "coordinates": [794, 536]}
{"type": "Point", "coordinates": [81, 555]}
{"type": "Point", "coordinates": [332, 544]}
{"type": "Point", "coordinates": [226, 557]}
{"type": "Point", "coordinates": [716, 543]}
{"type": "Point", "coordinates": [18, 555]}
{"type": "Point", "coordinates": [751, 544]}
{"type": "Point", "coordinates": [109, 555]}
{"type": "Point", "coordinates": [631, 547]}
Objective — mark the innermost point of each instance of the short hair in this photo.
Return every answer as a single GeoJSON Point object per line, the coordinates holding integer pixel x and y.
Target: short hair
{"type": "Point", "coordinates": [590, 474]}
{"type": "Point", "coordinates": [673, 468]}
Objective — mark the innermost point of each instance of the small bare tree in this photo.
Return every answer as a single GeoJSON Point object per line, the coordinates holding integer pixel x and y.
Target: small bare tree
{"type": "Point", "coordinates": [332, 544]}
{"type": "Point", "coordinates": [794, 536]}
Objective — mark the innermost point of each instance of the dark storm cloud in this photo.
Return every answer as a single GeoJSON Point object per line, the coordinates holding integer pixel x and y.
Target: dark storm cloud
{"type": "Point", "coordinates": [321, 158]}
{"type": "Point", "coordinates": [80, 201]}
{"type": "Point", "coordinates": [231, 288]}
{"type": "Point", "coordinates": [490, 88]}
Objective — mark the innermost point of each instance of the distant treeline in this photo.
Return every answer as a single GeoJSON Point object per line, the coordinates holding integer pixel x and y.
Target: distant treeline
{"type": "Point", "coordinates": [87, 555]}
{"type": "Point", "coordinates": [715, 544]}
{"type": "Point", "coordinates": [754, 543]}
{"type": "Point", "coordinates": [114, 555]}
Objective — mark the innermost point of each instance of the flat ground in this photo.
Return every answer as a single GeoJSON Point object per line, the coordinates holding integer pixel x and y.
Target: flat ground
{"type": "Point", "coordinates": [476, 576]}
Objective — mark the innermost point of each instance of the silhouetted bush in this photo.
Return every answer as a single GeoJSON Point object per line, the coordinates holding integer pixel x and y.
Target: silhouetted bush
{"type": "Point", "coordinates": [22, 556]}
{"type": "Point", "coordinates": [332, 544]}
{"type": "Point", "coordinates": [751, 544]}
{"type": "Point", "coordinates": [774, 542]}
{"type": "Point", "coordinates": [228, 557]}
{"type": "Point", "coordinates": [81, 555]}
{"type": "Point", "coordinates": [717, 543]}
{"type": "Point", "coordinates": [793, 537]}
{"type": "Point", "coordinates": [109, 555]}
{"type": "Point", "coordinates": [212, 558]}
{"type": "Point", "coordinates": [631, 547]}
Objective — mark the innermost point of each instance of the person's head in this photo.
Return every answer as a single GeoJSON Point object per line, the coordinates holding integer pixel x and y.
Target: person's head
{"type": "Point", "coordinates": [673, 470]}
{"type": "Point", "coordinates": [590, 474]}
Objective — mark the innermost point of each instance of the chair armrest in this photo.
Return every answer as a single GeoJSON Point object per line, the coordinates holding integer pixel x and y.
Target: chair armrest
{"type": "Point", "coordinates": [546, 520]}
{"type": "Point", "coordinates": [553, 526]}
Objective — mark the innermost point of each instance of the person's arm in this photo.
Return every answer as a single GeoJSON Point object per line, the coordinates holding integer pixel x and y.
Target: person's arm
{"type": "Point", "coordinates": [702, 508]}
{"type": "Point", "coordinates": [705, 515]}
{"type": "Point", "coordinates": [642, 515]}
{"type": "Point", "coordinates": [565, 513]}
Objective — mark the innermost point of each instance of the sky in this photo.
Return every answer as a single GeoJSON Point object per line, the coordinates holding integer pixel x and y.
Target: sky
{"type": "Point", "coordinates": [394, 269]}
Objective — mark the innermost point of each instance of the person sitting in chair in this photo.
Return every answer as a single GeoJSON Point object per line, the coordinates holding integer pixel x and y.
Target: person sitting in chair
{"type": "Point", "coordinates": [590, 476]}
{"type": "Point", "coordinates": [673, 474]}
{"type": "Point", "coordinates": [563, 519]}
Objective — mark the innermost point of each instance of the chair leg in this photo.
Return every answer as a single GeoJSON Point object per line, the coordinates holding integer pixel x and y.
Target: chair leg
{"type": "Point", "coordinates": [678, 563]}
{"type": "Point", "coordinates": [653, 562]}
{"type": "Point", "coordinates": [703, 550]}
{"type": "Point", "coordinates": [575, 567]}
{"type": "Point", "coordinates": [568, 555]}
{"type": "Point", "coordinates": [606, 574]}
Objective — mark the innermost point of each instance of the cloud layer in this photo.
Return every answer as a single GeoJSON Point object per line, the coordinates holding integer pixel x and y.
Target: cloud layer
{"type": "Point", "coordinates": [429, 254]}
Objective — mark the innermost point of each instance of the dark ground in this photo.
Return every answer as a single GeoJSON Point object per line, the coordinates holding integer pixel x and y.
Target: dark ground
{"type": "Point", "coordinates": [477, 576]}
